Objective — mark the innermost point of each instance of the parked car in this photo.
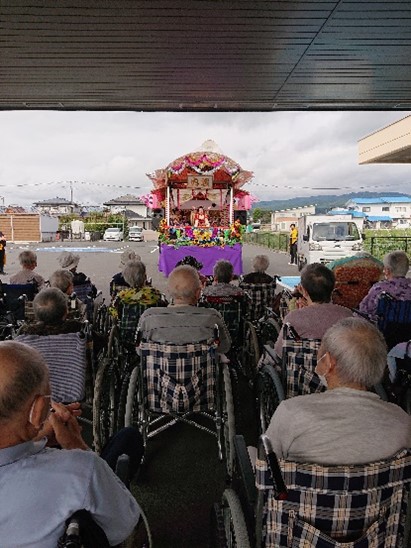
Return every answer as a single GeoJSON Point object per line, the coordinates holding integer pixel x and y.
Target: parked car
{"type": "Point", "coordinates": [113, 234]}
{"type": "Point", "coordinates": [135, 234]}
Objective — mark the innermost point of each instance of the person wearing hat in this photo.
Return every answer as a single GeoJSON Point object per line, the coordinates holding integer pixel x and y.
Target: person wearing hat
{"type": "Point", "coordinates": [117, 281]}
{"type": "Point", "coordinates": [69, 261]}
{"type": "Point", "coordinates": [27, 274]}
{"type": "Point", "coordinates": [2, 252]}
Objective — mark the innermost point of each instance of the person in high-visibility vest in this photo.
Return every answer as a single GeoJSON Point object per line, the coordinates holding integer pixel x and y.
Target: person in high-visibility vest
{"type": "Point", "coordinates": [293, 244]}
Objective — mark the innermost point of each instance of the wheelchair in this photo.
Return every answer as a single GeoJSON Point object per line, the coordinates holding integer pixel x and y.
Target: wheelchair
{"type": "Point", "coordinates": [86, 294]}
{"type": "Point", "coordinates": [294, 376]}
{"type": "Point", "coordinates": [262, 323]}
{"type": "Point", "coordinates": [307, 505]}
{"type": "Point", "coordinates": [16, 302]}
{"type": "Point", "coordinates": [399, 365]}
{"type": "Point", "coordinates": [182, 384]}
{"type": "Point", "coordinates": [116, 363]}
{"type": "Point", "coordinates": [81, 531]}
{"type": "Point", "coordinates": [394, 319]}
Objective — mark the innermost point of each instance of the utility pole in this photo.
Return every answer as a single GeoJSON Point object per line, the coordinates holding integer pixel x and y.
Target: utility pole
{"type": "Point", "coordinates": [71, 191]}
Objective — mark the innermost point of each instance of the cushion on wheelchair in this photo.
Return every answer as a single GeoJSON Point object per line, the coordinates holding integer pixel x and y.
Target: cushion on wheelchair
{"type": "Point", "coordinates": [65, 356]}
{"type": "Point", "coordinates": [178, 378]}
{"type": "Point", "coordinates": [346, 506]}
{"type": "Point", "coordinates": [260, 295]}
{"type": "Point", "coordinates": [231, 307]}
{"type": "Point", "coordinates": [299, 362]}
{"type": "Point", "coordinates": [129, 318]}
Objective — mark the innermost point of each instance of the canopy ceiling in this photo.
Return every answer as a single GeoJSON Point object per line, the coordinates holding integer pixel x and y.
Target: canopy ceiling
{"type": "Point", "coordinates": [188, 55]}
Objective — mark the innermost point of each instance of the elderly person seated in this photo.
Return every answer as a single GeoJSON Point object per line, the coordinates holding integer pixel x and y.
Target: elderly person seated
{"type": "Point", "coordinates": [346, 424]}
{"type": "Point", "coordinates": [139, 291]}
{"type": "Point", "coordinates": [183, 322]}
{"type": "Point", "coordinates": [313, 320]}
{"type": "Point", "coordinates": [259, 276]}
{"type": "Point", "coordinates": [396, 266]}
{"type": "Point", "coordinates": [42, 485]}
{"type": "Point", "coordinates": [69, 261]}
{"type": "Point", "coordinates": [27, 274]}
{"type": "Point", "coordinates": [50, 308]}
{"type": "Point", "coordinates": [63, 280]}
{"type": "Point", "coordinates": [222, 287]}
{"type": "Point", "coordinates": [117, 281]}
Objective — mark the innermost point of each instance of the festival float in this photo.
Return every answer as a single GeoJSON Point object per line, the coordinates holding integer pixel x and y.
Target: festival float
{"type": "Point", "coordinates": [205, 209]}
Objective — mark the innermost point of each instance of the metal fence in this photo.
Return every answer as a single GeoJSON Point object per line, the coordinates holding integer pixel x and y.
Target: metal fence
{"type": "Point", "coordinates": [378, 246]}
{"type": "Point", "coordinates": [272, 240]}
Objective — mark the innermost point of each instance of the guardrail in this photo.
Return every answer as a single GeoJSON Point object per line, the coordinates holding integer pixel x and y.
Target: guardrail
{"type": "Point", "coordinates": [378, 246]}
{"type": "Point", "coordinates": [272, 240]}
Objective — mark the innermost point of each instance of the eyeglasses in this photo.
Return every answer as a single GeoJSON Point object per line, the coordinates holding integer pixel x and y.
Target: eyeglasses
{"type": "Point", "coordinates": [48, 408]}
{"type": "Point", "coordinates": [322, 357]}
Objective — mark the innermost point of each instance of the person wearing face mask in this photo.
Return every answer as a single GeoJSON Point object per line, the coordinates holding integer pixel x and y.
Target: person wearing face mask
{"type": "Point", "coordinates": [346, 424]}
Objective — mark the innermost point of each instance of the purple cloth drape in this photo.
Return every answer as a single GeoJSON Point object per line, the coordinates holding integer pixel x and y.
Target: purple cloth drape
{"type": "Point", "coordinates": [170, 256]}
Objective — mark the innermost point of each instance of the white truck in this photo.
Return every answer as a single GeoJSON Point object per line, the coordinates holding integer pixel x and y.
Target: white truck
{"type": "Point", "coordinates": [325, 238]}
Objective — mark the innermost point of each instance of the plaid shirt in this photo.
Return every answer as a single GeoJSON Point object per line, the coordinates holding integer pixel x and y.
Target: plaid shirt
{"type": "Point", "coordinates": [360, 506]}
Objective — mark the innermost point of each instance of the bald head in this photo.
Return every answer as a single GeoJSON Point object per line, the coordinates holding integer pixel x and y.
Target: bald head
{"type": "Point", "coordinates": [184, 285]}
{"type": "Point", "coordinates": [23, 374]}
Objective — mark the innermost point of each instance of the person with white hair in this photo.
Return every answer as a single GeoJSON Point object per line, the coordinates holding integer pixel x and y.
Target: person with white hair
{"type": "Point", "coordinates": [396, 266]}
{"type": "Point", "coordinates": [63, 280]}
{"type": "Point", "coordinates": [27, 274]}
{"type": "Point", "coordinates": [117, 281]}
{"type": "Point", "coordinates": [182, 322]}
{"type": "Point", "coordinates": [347, 424]}
{"type": "Point", "coordinates": [259, 274]}
{"type": "Point", "coordinates": [42, 486]}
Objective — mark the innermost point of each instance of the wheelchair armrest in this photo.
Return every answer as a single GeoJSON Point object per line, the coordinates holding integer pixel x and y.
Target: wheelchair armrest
{"type": "Point", "coordinates": [245, 469]}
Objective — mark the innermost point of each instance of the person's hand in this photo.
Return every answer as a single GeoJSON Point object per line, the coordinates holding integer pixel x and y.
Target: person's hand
{"type": "Point", "coordinates": [67, 430]}
{"type": "Point", "coordinates": [47, 429]}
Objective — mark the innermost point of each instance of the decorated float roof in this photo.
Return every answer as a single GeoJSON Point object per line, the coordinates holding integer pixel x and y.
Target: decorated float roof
{"type": "Point", "coordinates": [207, 160]}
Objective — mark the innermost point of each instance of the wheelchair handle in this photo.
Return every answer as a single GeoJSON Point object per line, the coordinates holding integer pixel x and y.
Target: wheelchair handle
{"type": "Point", "coordinates": [275, 469]}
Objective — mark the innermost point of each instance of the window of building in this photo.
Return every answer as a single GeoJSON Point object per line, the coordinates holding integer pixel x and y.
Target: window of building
{"type": "Point", "coordinates": [365, 209]}
{"type": "Point", "coordinates": [400, 208]}
{"type": "Point", "coordinates": [386, 208]}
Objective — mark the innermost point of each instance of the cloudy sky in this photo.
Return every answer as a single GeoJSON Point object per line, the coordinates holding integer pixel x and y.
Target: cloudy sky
{"type": "Point", "coordinates": [107, 154]}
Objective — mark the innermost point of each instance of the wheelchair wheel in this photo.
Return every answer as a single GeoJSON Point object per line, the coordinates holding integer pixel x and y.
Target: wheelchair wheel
{"type": "Point", "coordinates": [107, 386]}
{"type": "Point", "coordinates": [270, 393]}
{"type": "Point", "coordinates": [270, 331]}
{"type": "Point", "coordinates": [251, 354]}
{"type": "Point", "coordinates": [229, 421]}
{"type": "Point", "coordinates": [406, 402]}
{"type": "Point", "coordinates": [134, 412]}
{"type": "Point", "coordinates": [235, 528]}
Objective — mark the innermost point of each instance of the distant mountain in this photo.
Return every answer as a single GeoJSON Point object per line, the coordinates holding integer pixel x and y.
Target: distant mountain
{"type": "Point", "coordinates": [323, 202]}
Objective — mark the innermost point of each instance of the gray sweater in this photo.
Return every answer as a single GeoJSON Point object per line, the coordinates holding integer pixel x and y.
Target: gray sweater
{"type": "Point", "coordinates": [184, 325]}
{"type": "Point", "coordinates": [339, 426]}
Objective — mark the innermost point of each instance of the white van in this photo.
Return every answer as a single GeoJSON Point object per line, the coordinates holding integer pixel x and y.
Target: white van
{"type": "Point", "coordinates": [325, 238]}
{"type": "Point", "coordinates": [135, 234]}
